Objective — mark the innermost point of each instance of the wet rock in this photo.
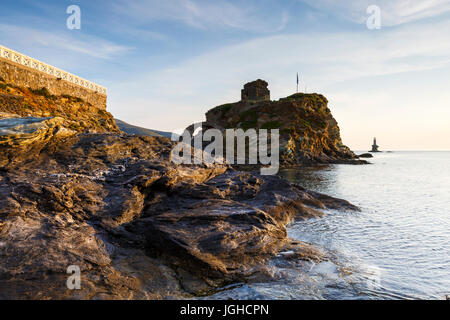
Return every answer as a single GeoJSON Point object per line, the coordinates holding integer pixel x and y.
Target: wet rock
{"type": "Point", "coordinates": [137, 225]}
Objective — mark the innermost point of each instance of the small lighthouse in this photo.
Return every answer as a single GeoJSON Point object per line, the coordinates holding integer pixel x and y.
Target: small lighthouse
{"type": "Point", "coordinates": [375, 146]}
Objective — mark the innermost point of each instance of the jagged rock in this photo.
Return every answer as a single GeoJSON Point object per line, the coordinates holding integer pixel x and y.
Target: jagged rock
{"type": "Point", "coordinates": [138, 226]}
{"type": "Point", "coordinates": [25, 136]}
{"type": "Point", "coordinates": [20, 126]}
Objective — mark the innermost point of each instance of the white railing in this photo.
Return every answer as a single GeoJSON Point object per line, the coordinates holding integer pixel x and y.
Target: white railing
{"type": "Point", "coordinates": [24, 60]}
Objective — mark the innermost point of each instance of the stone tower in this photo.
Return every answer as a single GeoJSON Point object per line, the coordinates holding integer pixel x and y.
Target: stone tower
{"type": "Point", "coordinates": [255, 91]}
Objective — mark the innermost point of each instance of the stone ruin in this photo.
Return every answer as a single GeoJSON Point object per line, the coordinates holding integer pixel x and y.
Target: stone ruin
{"type": "Point", "coordinates": [255, 91]}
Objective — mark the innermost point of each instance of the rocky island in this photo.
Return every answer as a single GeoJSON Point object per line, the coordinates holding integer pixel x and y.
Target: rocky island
{"type": "Point", "coordinates": [76, 191]}
{"type": "Point", "coordinates": [309, 134]}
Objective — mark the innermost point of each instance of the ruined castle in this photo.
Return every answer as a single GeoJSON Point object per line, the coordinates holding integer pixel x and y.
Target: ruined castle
{"type": "Point", "coordinates": [255, 91]}
{"type": "Point", "coordinates": [22, 70]}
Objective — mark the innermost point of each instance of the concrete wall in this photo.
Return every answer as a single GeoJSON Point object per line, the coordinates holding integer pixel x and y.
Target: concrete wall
{"type": "Point", "coordinates": [27, 72]}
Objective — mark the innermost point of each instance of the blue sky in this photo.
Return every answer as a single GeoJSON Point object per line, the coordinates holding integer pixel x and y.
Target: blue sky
{"type": "Point", "coordinates": [165, 63]}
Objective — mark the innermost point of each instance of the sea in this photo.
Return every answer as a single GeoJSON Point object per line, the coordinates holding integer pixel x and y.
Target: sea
{"type": "Point", "coordinates": [396, 247]}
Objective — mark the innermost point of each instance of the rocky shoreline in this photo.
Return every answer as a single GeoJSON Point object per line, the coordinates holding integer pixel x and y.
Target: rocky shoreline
{"type": "Point", "coordinates": [138, 226]}
{"type": "Point", "coordinates": [77, 191]}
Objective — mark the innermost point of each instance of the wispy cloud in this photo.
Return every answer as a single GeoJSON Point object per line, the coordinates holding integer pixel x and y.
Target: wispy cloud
{"type": "Point", "coordinates": [81, 44]}
{"type": "Point", "coordinates": [203, 14]}
{"type": "Point", "coordinates": [181, 94]}
{"type": "Point", "coordinates": [393, 12]}
{"type": "Point", "coordinates": [325, 58]}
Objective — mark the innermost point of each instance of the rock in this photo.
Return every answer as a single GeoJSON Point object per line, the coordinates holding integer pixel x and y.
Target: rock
{"type": "Point", "coordinates": [20, 126]}
{"type": "Point", "coordinates": [78, 115]}
{"type": "Point", "coordinates": [365, 155]}
{"type": "Point", "coordinates": [309, 134]}
{"type": "Point", "coordinates": [137, 225]}
{"type": "Point", "coordinates": [27, 136]}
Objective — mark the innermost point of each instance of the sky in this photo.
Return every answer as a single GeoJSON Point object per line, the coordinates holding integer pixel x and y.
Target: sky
{"type": "Point", "coordinates": [166, 63]}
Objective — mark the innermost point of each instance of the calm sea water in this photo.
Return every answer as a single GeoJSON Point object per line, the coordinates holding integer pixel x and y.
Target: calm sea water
{"type": "Point", "coordinates": [397, 247]}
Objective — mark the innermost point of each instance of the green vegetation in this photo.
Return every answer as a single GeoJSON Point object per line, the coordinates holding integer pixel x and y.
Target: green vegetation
{"type": "Point", "coordinates": [287, 131]}
{"type": "Point", "coordinates": [315, 98]}
{"type": "Point", "coordinates": [249, 114]}
{"type": "Point", "coordinates": [249, 119]}
{"type": "Point", "coordinates": [77, 99]}
{"type": "Point", "coordinates": [27, 107]}
{"type": "Point", "coordinates": [248, 125]}
{"type": "Point", "coordinates": [225, 107]}
{"type": "Point", "coordinates": [305, 123]}
{"type": "Point", "coordinates": [321, 123]}
{"type": "Point", "coordinates": [75, 127]}
{"type": "Point", "coordinates": [5, 85]}
{"type": "Point", "coordinates": [42, 92]}
{"type": "Point", "coordinates": [295, 96]}
{"type": "Point", "coordinates": [271, 125]}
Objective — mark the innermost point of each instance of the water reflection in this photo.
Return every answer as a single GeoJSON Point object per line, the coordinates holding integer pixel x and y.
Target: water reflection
{"type": "Point", "coordinates": [314, 178]}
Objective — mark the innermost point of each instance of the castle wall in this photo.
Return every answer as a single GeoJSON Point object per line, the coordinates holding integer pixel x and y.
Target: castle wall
{"type": "Point", "coordinates": [24, 71]}
{"type": "Point", "coordinates": [255, 91]}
